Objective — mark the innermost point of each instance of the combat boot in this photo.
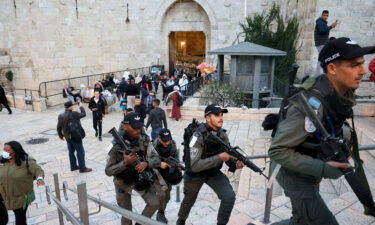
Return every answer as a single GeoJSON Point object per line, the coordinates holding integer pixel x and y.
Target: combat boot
{"type": "Point", "coordinates": [160, 216]}
{"type": "Point", "coordinates": [180, 222]}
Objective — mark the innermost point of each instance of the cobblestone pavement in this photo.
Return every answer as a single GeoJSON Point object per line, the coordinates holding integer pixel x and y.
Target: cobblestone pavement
{"type": "Point", "coordinates": [250, 188]}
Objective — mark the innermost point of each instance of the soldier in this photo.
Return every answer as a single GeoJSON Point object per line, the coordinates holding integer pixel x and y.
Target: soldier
{"type": "Point", "coordinates": [203, 165]}
{"type": "Point", "coordinates": [165, 147]}
{"type": "Point", "coordinates": [121, 166]}
{"type": "Point", "coordinates": [296, 143]}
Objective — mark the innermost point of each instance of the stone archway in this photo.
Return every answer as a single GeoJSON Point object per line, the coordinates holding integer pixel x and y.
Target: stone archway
{"type": "Point", "coordinates": [183, 16]}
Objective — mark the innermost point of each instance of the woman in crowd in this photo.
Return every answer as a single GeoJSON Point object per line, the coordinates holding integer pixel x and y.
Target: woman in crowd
{"type": "Point", "coordinates": [176, 109]}
{"type": "Point", "coordinates": [17, 172]}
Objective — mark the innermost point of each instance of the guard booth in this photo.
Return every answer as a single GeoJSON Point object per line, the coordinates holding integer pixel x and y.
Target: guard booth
{"type": "Point", "coordinates": [251, 68]}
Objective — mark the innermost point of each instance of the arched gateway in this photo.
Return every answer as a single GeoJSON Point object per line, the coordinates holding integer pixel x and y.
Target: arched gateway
{"type": "Point", "coordinates": [185, 33]}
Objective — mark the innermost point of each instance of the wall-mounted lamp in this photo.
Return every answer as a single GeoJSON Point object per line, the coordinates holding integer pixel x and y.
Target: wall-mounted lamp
{"type": "Point", "coordinates": [127, 13]}
{"type": "Point", "coordinates": [182, 43]}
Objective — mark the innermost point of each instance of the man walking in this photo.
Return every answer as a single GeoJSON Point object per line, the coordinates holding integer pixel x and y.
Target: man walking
{"type": "Point", "coordinates": [97, 106]}
{"type": "Point", "coordinates": [4, 100]}
{"type": "Point", "coordinates": [73, 145]}
{"type": "Point", "coordinates": [156, 119]}
{"type": "Point", "coordinates": [321, 33]}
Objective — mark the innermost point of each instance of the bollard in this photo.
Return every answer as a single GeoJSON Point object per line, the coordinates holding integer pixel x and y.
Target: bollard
{"type": "Point", "coordinates": [267, 208]}
{"type": "Point", "coordinates": [57, 191]}
{"type": "Point", "coordinates": [178, 193]}
{"type": "Point", "coordinates": [82, 203]}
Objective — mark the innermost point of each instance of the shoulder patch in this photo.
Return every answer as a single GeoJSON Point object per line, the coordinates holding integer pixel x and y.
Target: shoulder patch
{"type": "Point", "coordinates": [193, 140]}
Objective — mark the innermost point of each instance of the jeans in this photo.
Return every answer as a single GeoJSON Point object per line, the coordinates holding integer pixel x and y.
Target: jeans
{"type": "Point", "coordinates": [76, 146]}
{"type": "Point", "coordinates": [156, 85]}
{"type": "Point", "coordinates": [155, 133]}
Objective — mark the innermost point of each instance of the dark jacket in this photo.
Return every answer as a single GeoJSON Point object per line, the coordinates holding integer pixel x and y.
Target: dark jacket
{"type": "Point", "coordinates": [141, 111]}
{"type": "Point", "coordinates": [321, 33]}
{"type": "Point", "coordinates": [100, 106]}
{"type": "Point", "coordinates": [157, 118]}
{"type": "Point", "coordinates": [132, 90]}
{"type": "Point", "coordinates": [3, 98]}
{"type": "Point", "coordinates": [62, 128]}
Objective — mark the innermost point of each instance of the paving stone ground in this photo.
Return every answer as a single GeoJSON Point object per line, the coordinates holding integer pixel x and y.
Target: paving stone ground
{"type": "Point", "coordinates": [250, 187]}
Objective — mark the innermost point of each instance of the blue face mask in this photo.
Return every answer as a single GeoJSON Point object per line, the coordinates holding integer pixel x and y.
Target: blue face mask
{"type": "Point", "coordinates": [5, 155]}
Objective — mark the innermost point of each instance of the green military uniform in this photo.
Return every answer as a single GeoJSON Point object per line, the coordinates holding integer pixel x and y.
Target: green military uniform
{"type": "Point", "coordinates": [301, 170]}
{"type": "Point", "coordinates": [124, 183]}
{"type": "Point", "coordinates": [17, 181]}
{"type": "Point", "coordinates": [205, 168]}
{"type": "Point", "coordinates": [171, 150]}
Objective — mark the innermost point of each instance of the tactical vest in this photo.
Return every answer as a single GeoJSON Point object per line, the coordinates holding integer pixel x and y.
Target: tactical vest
{"type": "Point", "coordinates": [333, 117]}
{"type": "Point", "coordinates": [140, 148]}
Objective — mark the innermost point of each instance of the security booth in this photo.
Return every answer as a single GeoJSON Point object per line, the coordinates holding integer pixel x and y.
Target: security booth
{"type": "Point", "coordinates": [251, 68]}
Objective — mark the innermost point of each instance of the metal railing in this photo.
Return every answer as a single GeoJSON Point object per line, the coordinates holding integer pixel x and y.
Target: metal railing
{"type": "Point", "coordinates": [81, 191]}
{"type": "Point", "coordinates": [54, 87]}
{"type": "Point", "coordinates": [267, 207]}
{"type": "Point", "coordinates": [28, 93]}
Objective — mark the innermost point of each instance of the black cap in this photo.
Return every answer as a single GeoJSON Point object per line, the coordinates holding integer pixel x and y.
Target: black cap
{"type": "Point", "coordinates": [165, 135]}
{"type": "Point", "coordinates": [133, 120]}
{"type": "Point", "coordinates": [214, 109]}
{"type": "Point", "coordinates": [68, 104]}
{"type": "Point", "coordinates": [342, 48]}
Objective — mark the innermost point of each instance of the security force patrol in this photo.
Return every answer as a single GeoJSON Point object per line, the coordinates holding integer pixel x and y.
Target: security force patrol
{"type": "Point", "coordinates": [203, 165]}
{"type": "Point", "coordinates": [296, 142]}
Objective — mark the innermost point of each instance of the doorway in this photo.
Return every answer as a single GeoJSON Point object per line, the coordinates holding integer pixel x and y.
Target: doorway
{"type": "Point", "coordinates": [187, 49]}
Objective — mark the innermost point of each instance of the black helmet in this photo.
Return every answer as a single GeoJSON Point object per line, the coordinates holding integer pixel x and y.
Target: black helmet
{"type": "Point", "coordinates": [173, 177]}
{"type": "Point", "coordinates": [141, 184]}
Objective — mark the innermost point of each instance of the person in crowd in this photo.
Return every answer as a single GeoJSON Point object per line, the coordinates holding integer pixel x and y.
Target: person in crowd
{"type": "Point", "coordinates": [140, 109]}
{"type": "Point", "coordinates": [125, 167]}
{"type": "Point", "coordinates": [144, 92]}
{"type": "Point", "coordinates": [74, 143]}
{"type": "Point", "coordinates": [122, 86]}
{"type": "Point", "coordinates": [148, 103]}
{"type": "Point", "coordinates": [149, 84]}
{"type": "Point", "coordinates": [131, 91]}
{"type": "Point", "coordinates": [17, 172]}
{"type": "Point", "coordinates": [156, 119]}
{"type": "Point", "coordinates": [176, 109]}
{"type": "Point", "coordinates": [183, 83]}
{"type": "Point", "coordinates": [4, 100]}
{"type": "Point", "coordinates": [371, 68]}
{"type": "Point", "coordinates": [98, 86]}
{"type": "Point", "coordinates": [97, 106]}
{"type": "Point", "coordinates": [156, 80]}
{"type": "Point", "coordinates": [67, 93]}
{"type": "Point", "coordinates": [321, 33]}
{"type": "Point", "coordinates": [138, 78]}
{"type": "Point", "coordinates": [126, 74]}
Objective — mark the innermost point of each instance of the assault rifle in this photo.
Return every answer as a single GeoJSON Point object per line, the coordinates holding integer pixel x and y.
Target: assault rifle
{"type": "Point", "coordinates": [142, 180]}
{"type": "Point", "coordinates": [335, 149]}
{"type": "Point", "coordinates": [173, 162]}
{"type": "Point", "coordinates": [235, 152]}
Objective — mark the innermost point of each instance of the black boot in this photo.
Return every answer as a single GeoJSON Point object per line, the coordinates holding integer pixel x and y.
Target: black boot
{"type": "Point", "coordinates": [160, 216]}
{"type": "Point", "coordinates": [180, 222]}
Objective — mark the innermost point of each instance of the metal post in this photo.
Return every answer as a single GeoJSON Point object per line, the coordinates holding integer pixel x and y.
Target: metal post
{"type": "Point", "coordinates": [267, 208]}
{"type": "Point", "coordinates": [178, 193]}
{"type": "Point", "coordinates": [57, 191]}
{"type": "Point", "coordinates": [45, 89]}
{"type": "Point", "coordinates": [32, 102]}
{"type": "Point", "coordinates": [82, 202]}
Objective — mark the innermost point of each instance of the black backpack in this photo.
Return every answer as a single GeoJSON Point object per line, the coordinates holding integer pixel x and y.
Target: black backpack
{"type": "Point", "coordinates": [180, 100]}
{"type": "Point", "coordinates": [189, 131]}
{"type": "Point", "coordinates": [76, 132]}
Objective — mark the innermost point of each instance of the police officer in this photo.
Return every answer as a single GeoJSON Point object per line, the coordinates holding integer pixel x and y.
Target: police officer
{"type": "Point", "coordinates": [165, 147]}
{"type": "Point", "coordinates": [206, 160]}
{"type": "Point", "coordinates": [121, 166]}
{"type": "Point", "coordinates": [296, 142]}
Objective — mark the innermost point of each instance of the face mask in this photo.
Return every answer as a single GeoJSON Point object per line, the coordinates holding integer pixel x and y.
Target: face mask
{"type": "Point", "coordinates": [5, 155]}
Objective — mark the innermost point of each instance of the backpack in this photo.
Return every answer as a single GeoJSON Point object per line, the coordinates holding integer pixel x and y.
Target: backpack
{"type": "Point", "coordinates": [180, 100]}
{"type": "Point", "coordinates": [188, 133]}
{"type": "Point", "coordinates": [76, 132]}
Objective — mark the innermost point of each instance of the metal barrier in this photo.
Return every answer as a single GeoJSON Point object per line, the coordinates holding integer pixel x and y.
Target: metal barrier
{"type": "Point", "coordinates": [81, 191]}
{"type": "Point", "coordinates": [28, 96]}
{"type": "Point", "coordinates": [267, 207]}
{"type": "Point", "coordinates": [52, 88]}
